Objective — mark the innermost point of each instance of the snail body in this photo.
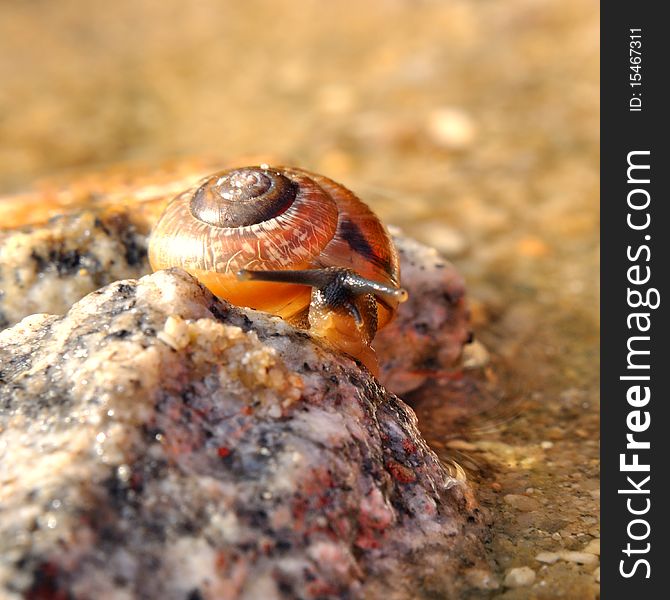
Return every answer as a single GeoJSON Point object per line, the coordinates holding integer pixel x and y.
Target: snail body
{"type": "Point", "coordinates": [288, 242]}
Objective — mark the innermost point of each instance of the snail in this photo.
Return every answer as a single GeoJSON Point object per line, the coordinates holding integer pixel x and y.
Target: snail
{"type": "Point", "coordinates": [287, 242]}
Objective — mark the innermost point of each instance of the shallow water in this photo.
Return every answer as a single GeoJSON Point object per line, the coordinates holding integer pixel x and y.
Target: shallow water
{"type": "Point", "coordinates": [473, 125]}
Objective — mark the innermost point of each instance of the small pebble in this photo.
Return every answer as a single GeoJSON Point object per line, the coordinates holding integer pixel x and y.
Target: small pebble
{"type": "Point", "coordinates": [481, 579]}
{"type": "Point", "coordinates": [596, 574]}
{"type": "Point", "coordinates": [519, 577]}
{"type": "Point", "coordinates": [581, 558]}
{"type": "Point", "coordinates": [593, 547]}
{"type": "Point", "coordinates": [275, 411]}
{"type": "Point", "coordinates": [475, 355]}
{"type": "Point", "coordinates": [546, 445]}
{"type": "Point", "coordinates": [123, 472]}
{"type": "Point", "coordinates": [450, 128]}
{"type": "Point", "coordinates": [175, 333]}
{"type": "Point", "coordinates": [547, 557]}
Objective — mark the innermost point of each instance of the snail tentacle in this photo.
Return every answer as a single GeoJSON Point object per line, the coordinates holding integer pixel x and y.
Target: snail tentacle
{"type": "Point", "coordinates": [343, 278]}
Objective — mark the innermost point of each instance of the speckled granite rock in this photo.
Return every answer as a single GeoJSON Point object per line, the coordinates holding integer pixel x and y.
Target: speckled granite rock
{"type": "Point", "coordinates": [48, 267]}
{"type": "Point", "coordinates": [159, 443]}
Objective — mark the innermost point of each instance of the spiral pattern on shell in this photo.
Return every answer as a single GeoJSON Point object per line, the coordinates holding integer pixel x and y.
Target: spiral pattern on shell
{"type": "Point", "coordinates": [262, 218]}
{"type": "Point", "coordinates": [243, 197]}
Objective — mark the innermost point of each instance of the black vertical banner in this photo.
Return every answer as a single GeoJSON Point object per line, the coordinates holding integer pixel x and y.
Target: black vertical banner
{"type": "Point", "coordinates": [635, 340]}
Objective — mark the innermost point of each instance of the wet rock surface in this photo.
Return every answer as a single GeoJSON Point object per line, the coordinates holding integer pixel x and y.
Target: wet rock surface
{"type": "Point", "coordinates": [157, 442]}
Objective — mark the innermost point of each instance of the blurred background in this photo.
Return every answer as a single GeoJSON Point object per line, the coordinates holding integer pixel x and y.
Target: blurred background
{"type": "Point", "coordinates": [473, 124]}
{"type": "Point", "coordinates": [468, 122]}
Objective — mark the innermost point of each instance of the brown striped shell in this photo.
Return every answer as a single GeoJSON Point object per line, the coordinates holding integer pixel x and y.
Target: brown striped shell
{"type": "Point", "coordinates": [262, 218]}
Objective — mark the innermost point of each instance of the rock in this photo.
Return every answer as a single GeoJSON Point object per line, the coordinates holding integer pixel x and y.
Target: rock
{"type": "Point", "coordinates": [593, 547]}
{"type": "Point", "coordinates": [47, 268]}
{"type": "Point", "coordinates": [519, 577]}
{"type": "Point", "coordinates": [548, 557]}
{"type": "Point", "coordinates": [431, 328]}
{"type": "Point", "coordinates": [157, 442]}
{"type": "Point", "coordinates": [450, 128]}
{"type": "Point", "coordinates": [482, 579]}
{"type": "Point", "coordinates": [581, 558]}
{"type": "Point", "coordinates": [475, 356]}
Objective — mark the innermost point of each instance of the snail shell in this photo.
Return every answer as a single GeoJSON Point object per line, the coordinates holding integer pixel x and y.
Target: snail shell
{"type": "Point", "coordinates": [262, 219]}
